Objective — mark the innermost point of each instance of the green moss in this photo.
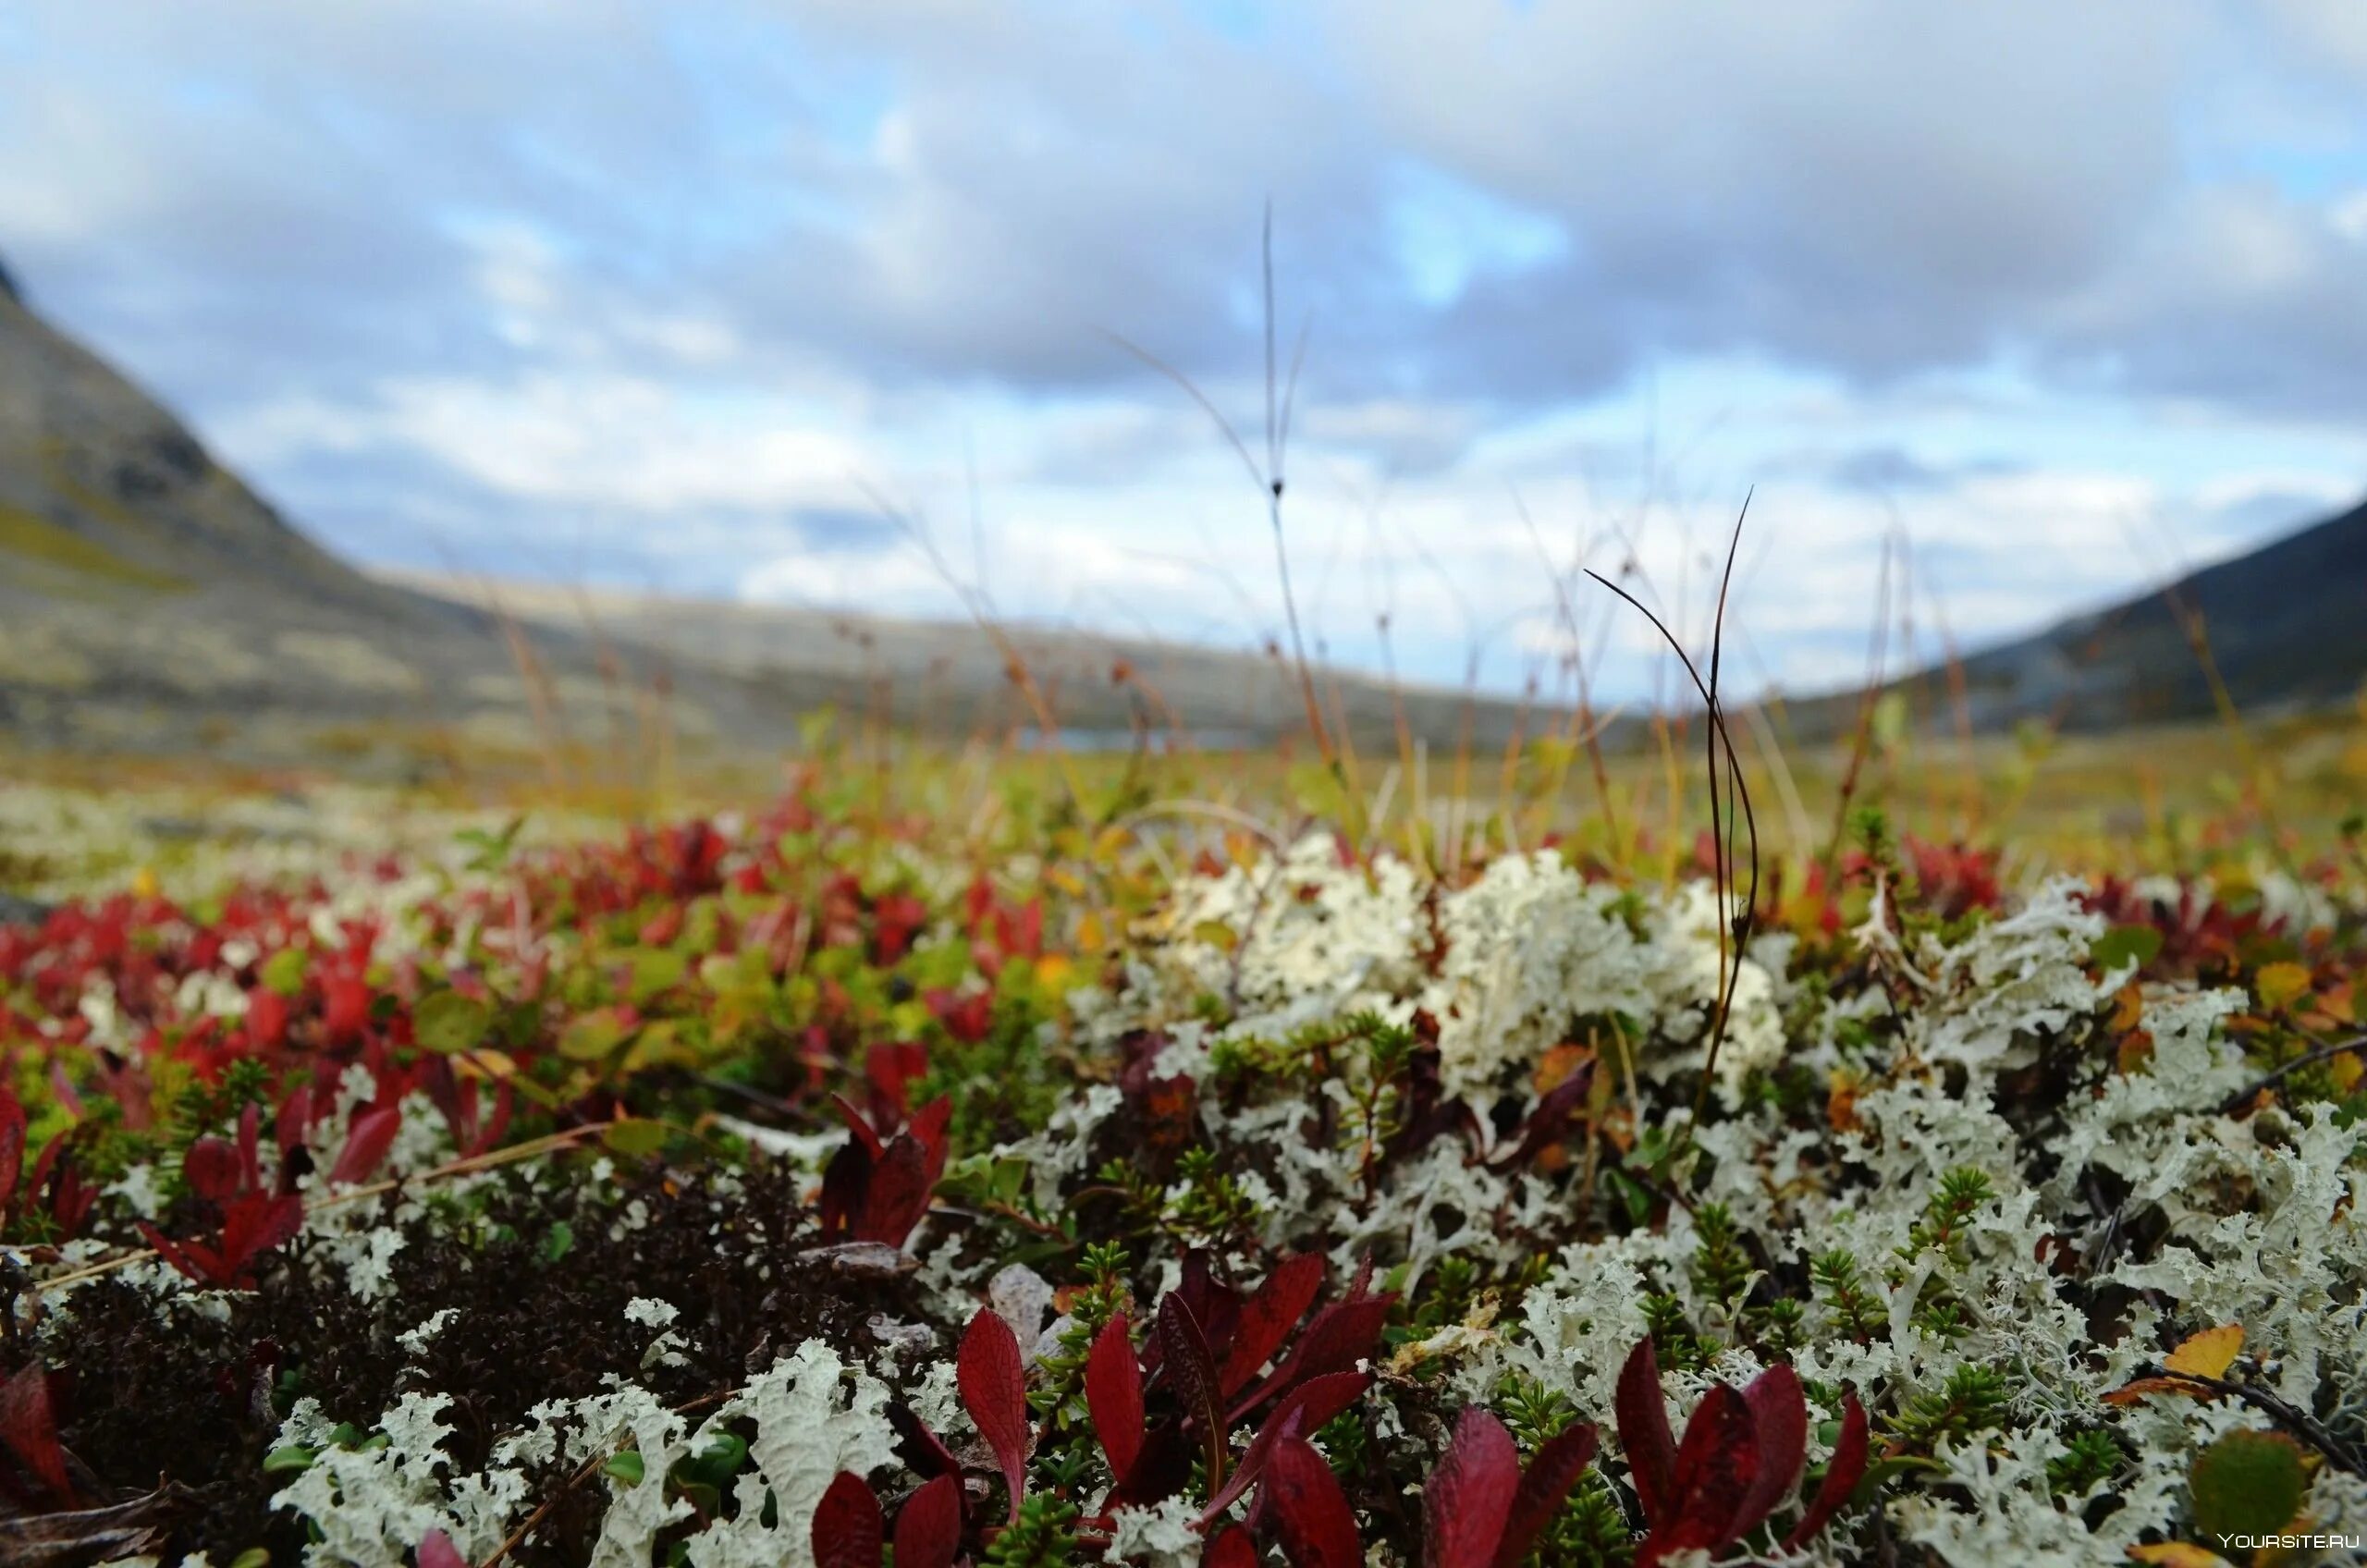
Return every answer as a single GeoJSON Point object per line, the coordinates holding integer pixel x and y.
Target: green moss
{"type": "Point", "coordinates": [36, 538]}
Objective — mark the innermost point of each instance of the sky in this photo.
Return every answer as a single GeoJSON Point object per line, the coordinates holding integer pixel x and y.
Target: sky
{"type": "Point", "coordinates": [889, 303]}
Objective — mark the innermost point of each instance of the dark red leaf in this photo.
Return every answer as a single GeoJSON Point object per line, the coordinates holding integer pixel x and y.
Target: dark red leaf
{"type": "Point", "coordinates": [864, 1133]}
{"type": "Point", "coordinates": [1779, 1416]}
{"type": "Point", "coordinates": [1470, 1493]}
{"type": "Point", "coordinates": [1229, 1548]}
{"type": "Point", "coordinates": [1215, 1307]}
{"type": "Point", "coordinates": [1192, 1372]}
{"type": "Point", "coordinates": [295, 1119]}
{"type": "Point", "coordinates": [928, 1531]}
{"type": "Point", "coordinates": [211, 1168]}
{"type": "Point", "coordinates": [1553, 1471]}
{"type": "Point", "coordinates": [436, 1550]}
{"type": "Point", "coordinates": [923, 1452]}
{"type": "Point", "coordinates": [1311, 1513]}
{"type": "Point", "coordinates": [1716, 1463]}
{"type": "Point", "coordinates": [367, 1140]}
{"type": "Point", "coordinates": [28, 1427]}
{"type": "Point", "coordinates": [1113, 1394]}
{"type": "Point", "coordinates": [12, 1147]}
{"type": "Point", "coordinates": [929, 1124]}
{"type": "Point", "coordinates": [1340, 1335]}
{"type": "Point", "coordinates": [1842, 1473]}
{"type": "Point", "coordinates": [993, 1381]}
{"type": "Point", "coordinates": [845, 1181]}
{"type": "Point", "coordinates": [1267, 1318]}
{"type": "Point", "coordinates": [255, 1225]}
{"type": "Point", "coordinates": [1643, 1431]}
{"type": "Point", "coordinates": [1304, 1410]}
{"type": "Point", "coordinates": [897, 1194]}
{"type": "Point", "coordinates": [1160, 1470]}
{"type": "Point", "coordinates": [846, 1524]}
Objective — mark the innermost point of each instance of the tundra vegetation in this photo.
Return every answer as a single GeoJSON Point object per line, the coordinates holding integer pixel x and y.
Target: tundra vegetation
{"type": "Point", "coordinates": [1034, 1160]}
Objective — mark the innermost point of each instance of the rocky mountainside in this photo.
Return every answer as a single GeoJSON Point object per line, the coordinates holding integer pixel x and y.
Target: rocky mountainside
{"type": "Point", "coordinates": [151, 602]}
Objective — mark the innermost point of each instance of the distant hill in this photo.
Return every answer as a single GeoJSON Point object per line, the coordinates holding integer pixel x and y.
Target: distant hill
{"type": "Point", "coordinates": [151, 602]}
{"type": "Point", "coordinates": [950, 676]}
{"type": "Point", "coordinates": [2285, 624]}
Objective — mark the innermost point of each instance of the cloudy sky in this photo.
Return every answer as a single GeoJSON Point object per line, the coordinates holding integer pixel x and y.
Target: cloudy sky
{"type": "Point", "coordinates": [680, 295]}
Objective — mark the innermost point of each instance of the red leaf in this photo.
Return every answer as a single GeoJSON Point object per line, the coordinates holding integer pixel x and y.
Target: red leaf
{"type": "Point", "coordinates": [1229, 1548]}
{"type": "Point", "coordinates": [296, 1112]}
{"type": "Point", "coordinates": [1267, 1318]}
{"type": "Point", "coordinates": [993, 1382]}
{"type": "Point", "coordinates": [846, 1524]}
{"type": "Point", "coordinates": [436, 1550]}
{"type": "Point", "coordinates": [1467, 1496]}
{"type": "Point", "coordinates": [845, 1181]}
{"type": "Point", "coordinates": [1191, 1370]}
{"type": "Point", "coordinates": [1553, 1471]}
{"type": "Point", "coordinates": [1715, 1466]}
{"type": "Point", "coordinates": [1779, 1415]}
{"type": "Point", "coordinates": [1305, 1409]}
{"type": "Point", "coordinates": [928, 1125]}
{"type": "Point", "coordinates": [252, 1226]}
{"type": "Point", "coordinates": [1160, 1470]}
{"type": "Point", "coordinates": [12, 1147]}
{"type": "Point", "coordinates": [1311, 1513]}
{"type": "Point", "coordinates": [1643, 1431]}
{"type": "Point", "coordinates": [28, 1427]}
{"type": "Point", "coordinates": [897, 1194]}
{"type": "Point", "coordinates": [211, 1168]}
{"type": "Point", "coordinates": [864, 1133]}
{"type": "Point", "coordinates": [1113, 1394]}
{"type": "Point", "coordinates": [367, 1140]}
{"type": "Point", "coordinates": [1340, 1335]}
{"type": "Point", "coordinates": [1842, 1473]}
{"type": "Point", "coordinates": [921, 1450]}
{"type": "Point", "coordinates": [928, 1530]}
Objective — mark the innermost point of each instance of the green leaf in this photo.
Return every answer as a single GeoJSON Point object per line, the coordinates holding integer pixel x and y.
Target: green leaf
{"type": "Point", "coordinates": [284, 1460]}
{"type": "Point", "coordinates": [626, 1466]}
{"type": "Point", "coordinates": [656, 970]}
{"type": "Point", "coordinates": [2247, 1484]}
{"type": "Point", "coordinates": [591, 1037]}
{"type": "Point", "coordinates": [559, 1242]}
{"type": "Point", "coordinates": [284, 971]}
{"type": "Point", "coordinates": [2125, 945]}
{"type": "Point", "coordinates": [636, 1137]}
{"type": "Point", "coordinates": [447, 1023]}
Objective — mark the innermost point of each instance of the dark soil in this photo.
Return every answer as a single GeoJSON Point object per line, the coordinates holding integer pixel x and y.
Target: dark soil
{"type": "Point", "coordinates": [540, 1314]}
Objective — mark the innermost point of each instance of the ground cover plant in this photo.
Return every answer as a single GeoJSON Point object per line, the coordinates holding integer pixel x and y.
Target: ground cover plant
{"type": "Point", "coordinates": [1106, 1178]}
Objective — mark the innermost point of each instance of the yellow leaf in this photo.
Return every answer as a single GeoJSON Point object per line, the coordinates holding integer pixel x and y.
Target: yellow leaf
{"type": "Point", "coordinates": [2206, 1355]}
{"type": "Point", "coordinates": [2279, 983]}
{"type": "Point", "coordinates": [2346, 1070]}
{"type": "Point", "coordinates": [2178, 1554]}
{"type": "Point", "coordinates": [144, 884]}
{"type": "Point", "coordinates": [1090, 936]}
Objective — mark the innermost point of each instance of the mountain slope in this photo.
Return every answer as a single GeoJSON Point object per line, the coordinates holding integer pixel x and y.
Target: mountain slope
{"type": "Point", "coordinates": [2285, 625]}
{"type": "Point", "coordinates": [151, 602]}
